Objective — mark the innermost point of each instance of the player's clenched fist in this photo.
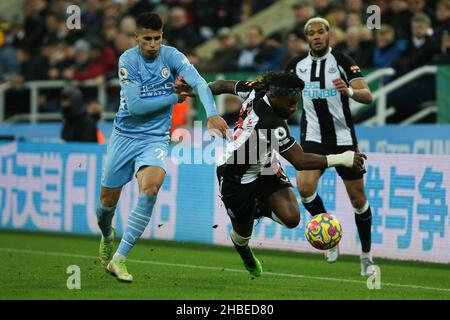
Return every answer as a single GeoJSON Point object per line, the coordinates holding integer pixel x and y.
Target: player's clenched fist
{"type": "Point", "coordinates": [358, 160]}
{"type": "Point", "coordinates": [347, 159]}
{"type": "Point", "coordinates": [341, 86]}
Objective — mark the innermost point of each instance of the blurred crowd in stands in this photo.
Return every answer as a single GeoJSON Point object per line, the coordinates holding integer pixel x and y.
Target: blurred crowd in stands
{"type": "Point", "coordinates": [40, 47]}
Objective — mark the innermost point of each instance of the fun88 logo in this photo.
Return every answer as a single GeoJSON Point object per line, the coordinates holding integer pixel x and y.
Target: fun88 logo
{"type": "Point", "coordinates": [312, 91]}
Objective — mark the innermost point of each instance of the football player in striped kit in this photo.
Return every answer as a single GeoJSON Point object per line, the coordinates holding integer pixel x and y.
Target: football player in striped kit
{"type": "Point", "coordinates": [331, 80]}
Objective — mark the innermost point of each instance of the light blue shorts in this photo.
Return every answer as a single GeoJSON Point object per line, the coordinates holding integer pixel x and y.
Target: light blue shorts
{"type": "Point", "coordinates": [125, 156]}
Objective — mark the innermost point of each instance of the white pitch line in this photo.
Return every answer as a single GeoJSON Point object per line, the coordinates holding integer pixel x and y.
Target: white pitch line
{"type": "Point", "coordinates": [180, 265]}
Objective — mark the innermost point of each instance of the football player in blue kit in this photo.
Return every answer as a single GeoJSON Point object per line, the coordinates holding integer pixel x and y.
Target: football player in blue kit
{"type": "Point", "coordinates": [139, 141]}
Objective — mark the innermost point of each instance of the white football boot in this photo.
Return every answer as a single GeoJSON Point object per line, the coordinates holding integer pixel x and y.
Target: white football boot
{"type": "Point", "coordinates": [367, 265]}
{"type": "Point", "coordinates": [332, 254]}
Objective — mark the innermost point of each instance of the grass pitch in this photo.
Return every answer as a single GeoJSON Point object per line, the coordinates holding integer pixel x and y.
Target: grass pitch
{"type": "Point", "coordinates": [34, 266]}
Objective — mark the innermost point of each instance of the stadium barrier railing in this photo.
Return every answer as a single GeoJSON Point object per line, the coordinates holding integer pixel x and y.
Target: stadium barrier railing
{"type": "Point", "coordinates": [376, 77]}
{"type": "Point", "coordinates": [380, 96]}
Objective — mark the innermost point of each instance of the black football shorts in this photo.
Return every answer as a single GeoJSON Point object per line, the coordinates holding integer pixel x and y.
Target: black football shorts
{"type": "Point", "coordinates": [240, 199]}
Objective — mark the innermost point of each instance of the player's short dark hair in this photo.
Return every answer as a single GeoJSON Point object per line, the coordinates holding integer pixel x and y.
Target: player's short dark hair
{"type": "Point", "coordinates": [149, 20]}
{"type": "Point", "coordinates": [282, 83]}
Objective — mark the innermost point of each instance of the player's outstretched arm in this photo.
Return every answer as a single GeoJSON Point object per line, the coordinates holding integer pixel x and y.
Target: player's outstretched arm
{"type": "Point", "coordinates": [223, 86]}
{"type": "Point", "coordinates": [358, 90]}
{"type": "Point", "coordinates": [138, 106]}
{"type": "Point", "coordinates": [130, 84]}
{"type": "Point", "coordinates": [217, 87]}
{"type": "Point", "coordinates": [194, 80]}
{"type": "Point", "coordinates": [311, 161]}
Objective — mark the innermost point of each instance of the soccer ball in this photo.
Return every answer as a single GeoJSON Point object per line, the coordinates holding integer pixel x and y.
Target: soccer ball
{"type": "Point", "coordinates": [324, 231]}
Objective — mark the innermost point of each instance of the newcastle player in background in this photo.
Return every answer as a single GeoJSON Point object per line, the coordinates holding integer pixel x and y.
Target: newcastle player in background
{"type": "Point", "coordinates": [250, 175]}
{"type": "Point", "coordinates": [331, 80]}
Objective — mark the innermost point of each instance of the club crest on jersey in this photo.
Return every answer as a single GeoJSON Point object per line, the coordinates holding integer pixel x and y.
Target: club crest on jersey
{"type": "Point", "coordinates": [280, 133]}
{"type": "Point", "coordinates": [123, 73]}
{"type": "Point", "coordinates": [332, 70]}
{"type": "Point", "coordinates": [165, 72]}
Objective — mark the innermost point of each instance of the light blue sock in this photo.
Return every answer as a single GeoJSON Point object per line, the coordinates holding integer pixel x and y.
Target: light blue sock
{"type": "Point", "coordinates": [104, 218]}
{"type": "Point", "coordinates": [137, 221]}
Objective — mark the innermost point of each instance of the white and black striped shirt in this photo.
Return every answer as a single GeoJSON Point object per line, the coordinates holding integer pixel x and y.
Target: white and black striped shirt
{"type": "Point", "coordinates": [258, 132]}
{"type": "Point", "coordinates": [326, 116]}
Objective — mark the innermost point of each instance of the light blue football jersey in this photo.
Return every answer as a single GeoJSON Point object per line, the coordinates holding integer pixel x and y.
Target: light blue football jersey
{"type": "Point", "coordinates": [147, 96]}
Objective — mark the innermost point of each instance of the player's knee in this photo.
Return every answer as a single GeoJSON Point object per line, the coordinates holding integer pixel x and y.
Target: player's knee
{"type": "Point", "coordinates": [293, 218]}
{"type": "Point", "coordinates": [107, 200]}
{"type": "Point", "coordinates": [306, 190]}
{"type": "Point", "coordinates": [150, 190]}
{"type": "Point", "coordinates": [292, 222]}
{"type": "Point", "coordinates": [358, 199]}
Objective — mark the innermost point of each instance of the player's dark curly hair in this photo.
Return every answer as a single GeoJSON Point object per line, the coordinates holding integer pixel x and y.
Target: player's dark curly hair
{"type": "Point", "coordinates": [149, 20]}
{"type": "Point", "coordinates": [285, 79]}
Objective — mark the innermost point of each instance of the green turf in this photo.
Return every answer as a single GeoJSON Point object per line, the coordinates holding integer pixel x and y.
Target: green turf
{"type": "Point", "coordinates": [32, 275]}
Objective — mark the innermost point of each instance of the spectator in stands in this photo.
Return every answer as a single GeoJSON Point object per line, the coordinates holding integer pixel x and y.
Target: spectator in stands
{"type": "Point", "coordinates": [226, 13]}
{"type": "Point", "coordinates": [355, 7]}
{"type": "Point", "coordinates": [58, 8]}
{"type": "Point", "coordinates": [444, 56]}
{"type": "Point", "coordinates": [34, 24]}
{"type": "Point", "coordinates": [255, 52]}
{"type": "Point", "coordinates": [383, 7]}
{"type": "Point", "coordinates": [163, 11]}
{"type": "Point", "coordinates": [9, 63]}
{"type": "Point", "coordinates": [321, 7]}
{"type": "Point", "coordinates": [421, 46]}
{"type": "Point", "coordinates": [421, 50]}
{"type": "Point", "coordinates": [442, 19]}
{"type": "Point", "coordinates": [303, 11]}
{"type": "Point", "coordinates": [276, 50]}
{"type": "Point", "coordinates": [337, 38]}
{"type": "Point", "coordinates": [417, 6]}
{"type": "Point", "coordinates": [123, 42]}
{"type": "Point", "coordinates": [195, 60]}
{"type": "Point", "coordinates": [78, 125]}
{"type": "Point", "coordinates": [136, 7]}
{"type": "Point", "coordinates": [337, 16]}
{"type": "Point", "coordinates": [128, 25]}
{"type": "Point", "coordinates": [53, 31]}
{"type": "Point", "coordinates": [97, 59]}
{"type": "Point", "coordinates": [32, 66]}
{"type": "Point", "coordinates": [179, 33]}
{"type": "Point", "coordinates": [442, 31]}
{"type": "Point", "coordinates": [296, 46]}
{"type": "Point", "coordinates": [387, 48]}
{"type": "Point", "coordinates": [110, 30]}
{"type": "Point", "coordinates": [81, 49]}
{"type": "Point", "coordinates": [113, 9]}
{"type": "Point", "coordinates": [399, 17]}
{"type": "Point", "coordinates": [353, 20]}
{"type": "Point", "coordinates": [352, 47]}
{"type": "Point", "coordinates": [92, 17]}
{"type": "Point", "coordinates": [94, 110]}
{"type": "Point", "coordinates": [63, 57]}
{"type": "Point", "coordinates": [225, 56]}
